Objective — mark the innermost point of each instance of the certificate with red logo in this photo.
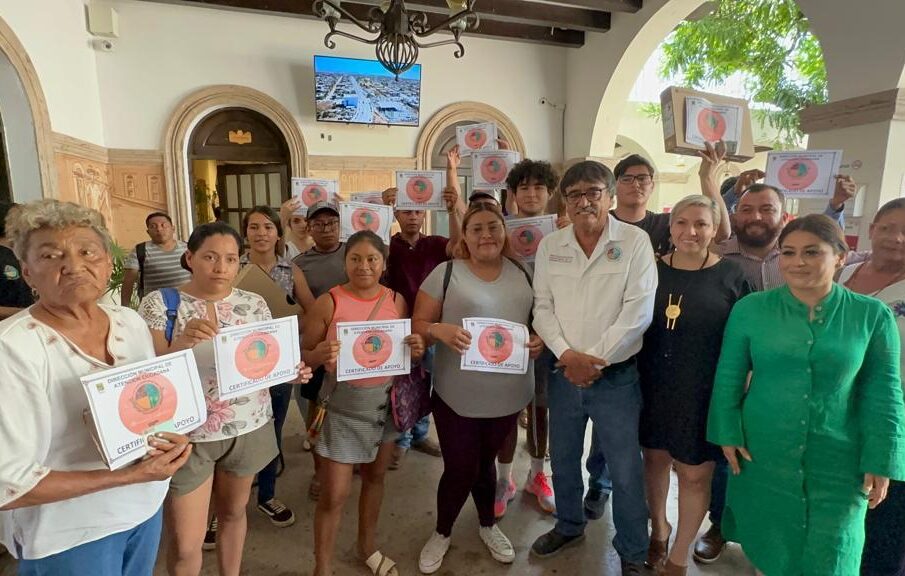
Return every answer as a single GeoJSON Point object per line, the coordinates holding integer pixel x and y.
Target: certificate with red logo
{"type": "Point", "coordinates": [357, 216]}
{"type": "Point", "coordinates": [706, 122]}
{"type": "Point", "coordinates": [253, 356]}
{"type": "Point", "coordinates": [420, 190]}
{"type": "Point", "coordinates": [475, 137]}
{"type": "Point", "coordinates": [805, 173]}
{"type": "Point", "coordinates": [128, 403]}
{"type": "Point", "coordinates": [490, 168]}
{"type": "Point", "coordinates": [525, 234]}
{"type": "Point", "coordinates": [497, 346]}
{"type": "Point", "coordinates": [313, 190]}
{"type": "Point", "coordinates": [373, 348]}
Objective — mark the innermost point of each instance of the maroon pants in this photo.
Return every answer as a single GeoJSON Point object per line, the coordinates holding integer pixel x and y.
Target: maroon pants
{"type": "Point", "coordinates": [469, 446]}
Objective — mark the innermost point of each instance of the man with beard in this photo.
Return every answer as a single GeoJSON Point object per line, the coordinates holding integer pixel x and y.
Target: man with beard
{"type": "Point", "coordinates": [758, 220]}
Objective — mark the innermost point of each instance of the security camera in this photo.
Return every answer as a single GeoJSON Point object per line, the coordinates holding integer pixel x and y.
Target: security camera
{"type": "Point", "coordinates": [543, 100]}
{"type": "Point", "coordinates": [103, 45]}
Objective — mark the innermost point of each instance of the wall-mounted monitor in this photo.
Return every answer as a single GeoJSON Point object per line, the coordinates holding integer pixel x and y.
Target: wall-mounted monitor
{"type": "Point", "coordinates": [356, 91]}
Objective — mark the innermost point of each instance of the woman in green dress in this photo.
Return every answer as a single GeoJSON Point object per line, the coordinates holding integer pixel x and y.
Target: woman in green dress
{"type": "Point", "coordinates": [815, 437]}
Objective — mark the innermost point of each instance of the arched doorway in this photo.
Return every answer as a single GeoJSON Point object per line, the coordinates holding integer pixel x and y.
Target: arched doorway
{"type": "Point", "coordinates": [239, 159]}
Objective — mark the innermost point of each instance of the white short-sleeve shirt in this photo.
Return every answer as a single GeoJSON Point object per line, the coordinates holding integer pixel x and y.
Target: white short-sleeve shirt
{"type": "Point", "coordinates": [42, 429]}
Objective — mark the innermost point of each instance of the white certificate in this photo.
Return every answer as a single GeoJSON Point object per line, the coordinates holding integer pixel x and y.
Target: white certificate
{"type": "Point", "coordinates": [258, 355]}
{"type": "Point", "coordinates": [804, 174]}
{"type": "Point", "coordinates": [129, 403]}
{"type": "Point", "coordinates": [706, 122]}
{"type": "Point", "coordinates": [357, 216]}
{"type": "Point", "coordinates": [374, 197]}
{"type": "Point", "coordinates": [497, 346]}
{"type": "Point", "coordinates": [474, 137]}
{"type": "Point", "coordinates": [373, 348]}
{"type": "Point", "coordinates": [420, 190]}
{"type": "Point", "coordinates": [491, 167]}
{"type": "Point", "coordinates": [312, 190]}
{"type": "Point", "coordinates": [525, 234]}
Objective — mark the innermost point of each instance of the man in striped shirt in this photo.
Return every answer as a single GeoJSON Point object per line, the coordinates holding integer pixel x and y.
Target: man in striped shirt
{"type": "Point", "coordinates": [156, 264]}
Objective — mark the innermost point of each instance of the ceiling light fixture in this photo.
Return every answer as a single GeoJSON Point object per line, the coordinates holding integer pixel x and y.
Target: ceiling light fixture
{"type": "Point", "coordinates": [398, 32]}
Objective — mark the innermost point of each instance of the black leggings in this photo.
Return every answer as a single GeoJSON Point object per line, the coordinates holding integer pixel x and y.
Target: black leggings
{"type": "Point", "coordinates": [469, 447]}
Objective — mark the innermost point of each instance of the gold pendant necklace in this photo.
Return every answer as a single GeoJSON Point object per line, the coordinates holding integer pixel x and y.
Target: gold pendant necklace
{"type": "Point", "coordinates": [673, 311]}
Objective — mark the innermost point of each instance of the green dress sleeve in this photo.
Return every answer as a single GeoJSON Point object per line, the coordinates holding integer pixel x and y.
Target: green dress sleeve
{"type": "Point", "coordinates": [724, 422]}
{"type": "Point", "coordinates": [881, 409]}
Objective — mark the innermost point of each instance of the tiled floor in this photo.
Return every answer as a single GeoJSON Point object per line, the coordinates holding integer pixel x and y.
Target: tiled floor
{"type": "Point", "coordinates": [407, 521]}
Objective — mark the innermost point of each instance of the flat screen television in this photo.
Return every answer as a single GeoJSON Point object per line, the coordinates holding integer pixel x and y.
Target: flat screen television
{"type": "Point", "coordinates": [350, 90]}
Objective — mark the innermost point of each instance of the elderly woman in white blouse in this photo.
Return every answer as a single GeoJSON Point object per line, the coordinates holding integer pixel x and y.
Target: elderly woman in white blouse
{"type": "Point", "coordinates": [61, 511]}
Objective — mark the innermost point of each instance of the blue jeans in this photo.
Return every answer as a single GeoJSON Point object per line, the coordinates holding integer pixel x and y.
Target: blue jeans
{"type": "Point", "coordinates": [129, 553]}
{"type": "Point", "coordinates": [415, 434]}
{"type": "Point", "coordinates": [718, 484]}
{"type": "Point", "coordinates": [280, 397]}
{"type": "Point", "coordinates": [613, 404]}
{"type": "Point", "coordinates": [599, 474]}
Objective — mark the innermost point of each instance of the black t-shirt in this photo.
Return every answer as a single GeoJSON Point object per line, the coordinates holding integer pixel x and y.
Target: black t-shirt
{"type": "Point", "coordinates": [657, 227]}
{"type": "Point", "coordinates": [14, 292]}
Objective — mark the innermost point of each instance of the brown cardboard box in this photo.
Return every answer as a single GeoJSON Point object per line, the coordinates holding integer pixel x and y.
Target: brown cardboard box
{"type": "Point", "coordinates": [672, 103]}
{"type": "Point", "coordinates": [253, 279]}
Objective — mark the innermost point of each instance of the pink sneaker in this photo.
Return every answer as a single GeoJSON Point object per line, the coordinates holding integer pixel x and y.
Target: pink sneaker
{"type": "Point", "coordinates": [504, 495]}
{"type": "Point", "coordinates": [540, 487]}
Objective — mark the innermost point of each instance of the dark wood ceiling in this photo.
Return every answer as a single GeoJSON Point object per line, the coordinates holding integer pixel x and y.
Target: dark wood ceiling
{"type": "Point", "coordinates": [557, 22]}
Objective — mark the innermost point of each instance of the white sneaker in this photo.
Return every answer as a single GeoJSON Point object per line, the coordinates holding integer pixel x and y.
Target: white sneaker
{"type": "Point", "coordinates": [500, 547]}
{"type": "Point", "coordinates": [433, 552]}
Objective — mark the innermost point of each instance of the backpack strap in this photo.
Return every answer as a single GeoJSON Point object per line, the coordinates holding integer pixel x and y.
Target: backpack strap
{"type": "Point", "coordinates": [141, 251]}
{"type": "Point", "coordinates": [447, 275]}
{"type": "Point", "coordinates": [171, 301]}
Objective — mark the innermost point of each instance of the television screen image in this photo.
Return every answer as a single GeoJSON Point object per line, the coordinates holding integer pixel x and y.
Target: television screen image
{"type": "Point", "coordinates": [364, 92]}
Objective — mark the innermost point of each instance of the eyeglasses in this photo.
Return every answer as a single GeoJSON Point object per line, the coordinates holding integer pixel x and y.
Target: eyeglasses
{"type": "Point", "coordinates": [321, 226]}
{"type": "Point", "coordinates": [642, 179]}
{"type": "Point", "coordinates": [592, 195]}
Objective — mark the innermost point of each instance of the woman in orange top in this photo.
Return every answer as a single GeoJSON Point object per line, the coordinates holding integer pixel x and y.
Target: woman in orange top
{"type": "Point", "coordinates": [358, 417]}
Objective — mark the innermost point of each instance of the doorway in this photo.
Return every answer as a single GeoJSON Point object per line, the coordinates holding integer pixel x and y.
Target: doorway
{"type": "Point", "coordinates": [6, 193]}
{"type": "Point", "coordinates": [239, 160]}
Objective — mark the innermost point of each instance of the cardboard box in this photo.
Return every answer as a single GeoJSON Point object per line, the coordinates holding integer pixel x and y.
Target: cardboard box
{"type": "Point", "coordinates": [672, 103]}
{"type": "Point", "coordinates": [252, 278]}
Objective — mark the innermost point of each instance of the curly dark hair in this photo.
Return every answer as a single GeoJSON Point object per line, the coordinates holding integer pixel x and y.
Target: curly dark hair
{"type": "Point", "coordinates": [536, 170]}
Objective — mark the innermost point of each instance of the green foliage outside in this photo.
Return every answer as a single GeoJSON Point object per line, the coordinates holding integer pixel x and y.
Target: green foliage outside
{"type": "Point", "coordinates": [119, 255]}
{"type": "Point", "coordinates": [770, 42]}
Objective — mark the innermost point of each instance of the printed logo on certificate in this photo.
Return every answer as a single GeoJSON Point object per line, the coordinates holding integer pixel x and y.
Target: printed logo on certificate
{"type": "Point", "coordinates": [253, 356]}
{"type": "Point", "coordinates": [313, 190]}
{"type": "Point", "coordinates": [525, 234]}
{"type": "Point", "coordinates": [374, 197]}
{"type": "Point", "coordinates": [490, 168]}
{"type": "Point", "coordinates": [805, 173]}
{"type": "Point", "coordinates": [706, 122]}
{"type": "Point", "coordinates": [420, 190]}
{"type": "Point", "coordinates": [129, 403]}
{"type": "Point", "coordinates": [357, 216]}
{"type": "Point", "coordinates": [497, 346]}
{"type": "Point", "coordinates": [371, 349]}
{"type": "Point", "coordinates": [475, 137]}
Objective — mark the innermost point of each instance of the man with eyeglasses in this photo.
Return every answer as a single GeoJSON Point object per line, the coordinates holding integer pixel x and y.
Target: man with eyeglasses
{"type": "Point", "coordinates": [594, 284]}
{"type": "Point", "coordinates": [324, 264]}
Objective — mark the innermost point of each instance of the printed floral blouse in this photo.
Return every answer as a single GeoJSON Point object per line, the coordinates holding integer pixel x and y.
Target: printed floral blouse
{"type": "Point", "coordinates": [225, 418]}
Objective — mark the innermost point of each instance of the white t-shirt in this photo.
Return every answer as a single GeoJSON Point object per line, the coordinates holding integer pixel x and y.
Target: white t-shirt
{"type": "Point", "coordinates": [42, 429]}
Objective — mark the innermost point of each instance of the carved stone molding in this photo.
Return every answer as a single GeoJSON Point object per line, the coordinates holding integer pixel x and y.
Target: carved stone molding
{"type": "Point", "coordinates": [461, 112]}
{"type": "Point", "coordinates": [186, 116]}
{"type": "Point", "coordinates": [867, 109]}
{"type": "Point", "coordinates": [18, 57]}
{"type": "Point", "coordinates": [63, 144]}
{"type": "Point", "coordinates": [134, 157]}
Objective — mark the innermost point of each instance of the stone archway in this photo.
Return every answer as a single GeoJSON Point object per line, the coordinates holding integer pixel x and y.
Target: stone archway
{"type": "Point", "coordinates": [198, 105]}
{"type": "Point", "coordinates": [461, 112]}
{"type": "Point", "coordinates": [38, 136]}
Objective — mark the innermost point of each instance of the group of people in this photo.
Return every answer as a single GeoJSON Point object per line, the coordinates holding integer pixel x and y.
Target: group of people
{"type": "Point", "coordinates": [745, 349]}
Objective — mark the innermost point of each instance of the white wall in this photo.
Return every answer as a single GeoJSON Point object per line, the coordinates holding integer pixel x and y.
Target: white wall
{"type": "Point", "coordinates": [165, 52]}
{"type": "Point", "coordinates": [54, 34]}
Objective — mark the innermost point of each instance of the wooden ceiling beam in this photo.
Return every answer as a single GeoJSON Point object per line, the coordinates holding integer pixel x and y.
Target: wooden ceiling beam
{"type": "Point", "coordinates": [629, 6]}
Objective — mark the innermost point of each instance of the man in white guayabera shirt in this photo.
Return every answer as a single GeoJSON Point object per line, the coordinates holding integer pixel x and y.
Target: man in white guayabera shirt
{"type": "Point", "coordinates": [594, 285]}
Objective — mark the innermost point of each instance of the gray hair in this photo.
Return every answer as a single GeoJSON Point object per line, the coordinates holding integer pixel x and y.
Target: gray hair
{"type": "Point", "coordinates": [696, 200]}
{"type": "Point", "coordinates": [52, 215]}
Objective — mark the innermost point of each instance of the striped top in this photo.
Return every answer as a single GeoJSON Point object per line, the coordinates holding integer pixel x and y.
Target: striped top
{"type": "Point", "coordinates": [162, 269]}
{"type": "Point", "coordinates": [762, 274]}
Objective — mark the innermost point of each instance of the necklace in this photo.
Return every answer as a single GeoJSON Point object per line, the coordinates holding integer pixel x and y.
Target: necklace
{"type": "Point", "coordinates": [895, 279]}
{"type": "Point", "coordinates": [673, 311]}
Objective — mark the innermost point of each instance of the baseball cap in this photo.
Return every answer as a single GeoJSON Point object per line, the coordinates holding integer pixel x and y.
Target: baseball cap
{"type": "Point", "coordinates": [320, 207]}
